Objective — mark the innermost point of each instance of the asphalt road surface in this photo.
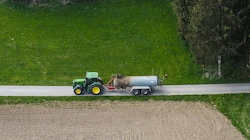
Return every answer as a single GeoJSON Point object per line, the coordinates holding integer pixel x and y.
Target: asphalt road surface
{"type": "Point", "coordinates": [163, 90]}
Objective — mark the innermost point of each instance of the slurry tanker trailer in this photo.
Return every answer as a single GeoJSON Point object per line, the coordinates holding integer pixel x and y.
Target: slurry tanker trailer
{"type": "Point", "coordinates": [137, 84]}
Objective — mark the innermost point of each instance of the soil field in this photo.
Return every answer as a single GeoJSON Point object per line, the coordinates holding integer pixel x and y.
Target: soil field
{"type": "Point", "coordinates": [113, 120]}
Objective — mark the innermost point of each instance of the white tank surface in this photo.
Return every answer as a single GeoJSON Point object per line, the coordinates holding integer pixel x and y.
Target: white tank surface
{"type": "Point", "coordinates": [129, 81]}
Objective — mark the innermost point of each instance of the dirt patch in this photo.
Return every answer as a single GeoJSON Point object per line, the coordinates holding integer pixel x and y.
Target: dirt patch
{"type": "Point", "coordinates": [115, 120]}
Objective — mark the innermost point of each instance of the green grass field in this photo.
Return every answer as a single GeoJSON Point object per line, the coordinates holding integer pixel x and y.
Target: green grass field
{"type": "Point", "coordinates": [55, 44]}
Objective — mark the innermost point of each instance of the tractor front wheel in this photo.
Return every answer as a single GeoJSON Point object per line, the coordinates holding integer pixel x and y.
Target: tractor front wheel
{"type": "Point", "coordinates": [78, 90]}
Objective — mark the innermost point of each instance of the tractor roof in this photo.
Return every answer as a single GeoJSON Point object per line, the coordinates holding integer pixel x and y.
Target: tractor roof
{"type": "Point", "coordinates": [91, 75]}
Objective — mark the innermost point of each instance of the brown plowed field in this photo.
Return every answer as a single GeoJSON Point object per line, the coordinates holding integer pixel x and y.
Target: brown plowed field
{"type": "Point", "coordinates": [107, 120]}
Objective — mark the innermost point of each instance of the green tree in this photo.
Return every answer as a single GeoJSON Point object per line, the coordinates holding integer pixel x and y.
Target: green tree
{"type": "Point", "coordinates": [237, 40]}
{"type": "Point", "coordinates": [183, 8]}
{"type": "Point", "coordinates": [217, 32]}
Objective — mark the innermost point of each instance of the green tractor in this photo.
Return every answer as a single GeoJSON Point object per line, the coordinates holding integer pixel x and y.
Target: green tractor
{"type": "Point", "coordinates": [91, 84]}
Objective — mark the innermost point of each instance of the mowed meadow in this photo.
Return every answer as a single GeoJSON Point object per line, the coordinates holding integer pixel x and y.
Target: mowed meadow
{"type": "Point", "coordinates": [55, 43]}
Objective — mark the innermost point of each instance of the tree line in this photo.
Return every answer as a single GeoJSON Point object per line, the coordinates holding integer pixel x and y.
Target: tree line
{"type": "Point", "coordinates": [218, 35]}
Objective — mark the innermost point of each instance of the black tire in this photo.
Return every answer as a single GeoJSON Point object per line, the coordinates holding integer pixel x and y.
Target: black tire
{"type": "Point", "coordinates": [136, 91]}
{"type": "Point", "coordinates": [145, 91]}
{"type": "Point", "coordinates": [95, 89]}
{"type": "Point", "coordinates": [78, 90]}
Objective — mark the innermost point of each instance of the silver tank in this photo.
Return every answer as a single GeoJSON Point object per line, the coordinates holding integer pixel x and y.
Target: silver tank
{"type": "Point", "coordinates": [129, 81]}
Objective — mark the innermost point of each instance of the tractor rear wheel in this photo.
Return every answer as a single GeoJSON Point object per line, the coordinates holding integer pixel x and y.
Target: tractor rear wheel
{"type": "Point", "coordinates": [78, 90]}
{"type": "Point", "coordinates": [95, 89]}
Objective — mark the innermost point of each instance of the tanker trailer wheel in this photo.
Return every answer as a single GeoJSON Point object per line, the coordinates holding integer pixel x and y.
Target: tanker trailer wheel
{"type": "Point", "coordinates": [145, 91]}
{"type": "Point", "coordinates": [136, 91]}
{"type": "Point", "coordinates": [78, 90]}
{"type": "Point", "coordinates": [95, 89]}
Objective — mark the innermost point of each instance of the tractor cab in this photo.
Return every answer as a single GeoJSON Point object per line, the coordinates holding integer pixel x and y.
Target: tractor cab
{"type": "Point", "coordinates": [92, 77]}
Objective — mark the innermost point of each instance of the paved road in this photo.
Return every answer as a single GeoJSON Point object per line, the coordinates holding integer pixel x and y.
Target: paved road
{"type": "Point", "coordinates": [164, 90]}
